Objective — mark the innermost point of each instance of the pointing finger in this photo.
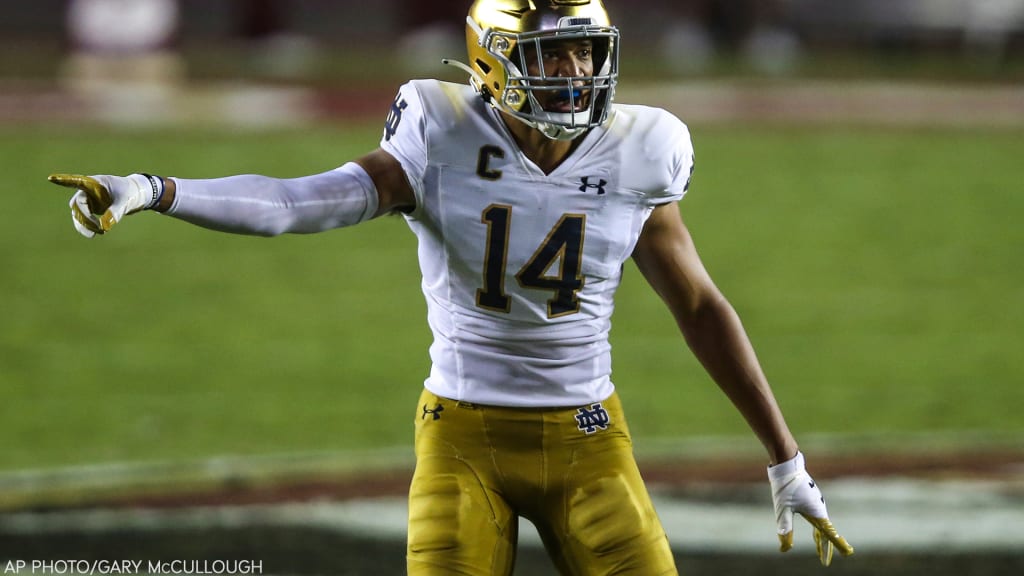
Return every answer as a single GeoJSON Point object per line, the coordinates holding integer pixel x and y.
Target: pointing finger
{"type": "Point", "coordinates": [97, 194]}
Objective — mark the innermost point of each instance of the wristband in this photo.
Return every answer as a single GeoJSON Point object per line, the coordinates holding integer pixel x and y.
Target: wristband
{"type": "Point", "coordinates": [156, 183]}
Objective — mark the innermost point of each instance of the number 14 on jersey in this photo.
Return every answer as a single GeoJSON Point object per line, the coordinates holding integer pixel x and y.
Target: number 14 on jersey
{"type": "Point", "coordinates": [555, 266]}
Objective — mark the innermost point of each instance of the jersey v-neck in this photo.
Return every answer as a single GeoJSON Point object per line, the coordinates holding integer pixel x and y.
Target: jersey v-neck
{"type": "Point", "coordinates": [590, 139]}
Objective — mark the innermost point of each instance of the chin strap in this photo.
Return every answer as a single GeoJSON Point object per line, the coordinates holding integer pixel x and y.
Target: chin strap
{"type": "Point", "coordinates": [473, 76]}
{"type": "Point", "coordinates": [475, 80]}
{"type": "Point", "coordinates": [556, 132]}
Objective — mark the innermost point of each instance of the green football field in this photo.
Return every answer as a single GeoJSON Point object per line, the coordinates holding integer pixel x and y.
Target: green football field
{"type": "Point", "coordinates": [877, 271]}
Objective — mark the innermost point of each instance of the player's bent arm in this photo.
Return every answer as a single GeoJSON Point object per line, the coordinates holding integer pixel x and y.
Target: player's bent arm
{"type": "Point", "coordinates": [668, 259]}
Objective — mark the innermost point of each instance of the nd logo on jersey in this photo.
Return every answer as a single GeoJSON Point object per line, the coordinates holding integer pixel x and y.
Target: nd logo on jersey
{"type": "Point", "coordinates": [589, 420]}
{"type": "Point", "coordinates": [394, 117]}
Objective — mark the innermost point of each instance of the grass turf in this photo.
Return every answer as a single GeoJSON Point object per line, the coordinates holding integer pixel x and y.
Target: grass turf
{"type": "Point", "coordinates": [878, 273]}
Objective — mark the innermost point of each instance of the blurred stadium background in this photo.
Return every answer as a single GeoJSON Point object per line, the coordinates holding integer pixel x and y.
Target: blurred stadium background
{"type": "Point", "coordinates": [177, 394]}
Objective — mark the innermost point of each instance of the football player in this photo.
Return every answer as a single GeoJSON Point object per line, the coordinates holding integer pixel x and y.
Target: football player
{"type": "Point", "coordinates": [527, 189]}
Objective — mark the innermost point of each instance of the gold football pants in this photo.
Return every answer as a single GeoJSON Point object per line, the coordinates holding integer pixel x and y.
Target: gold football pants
{"type": "Point", "coordinates": [571, 472]}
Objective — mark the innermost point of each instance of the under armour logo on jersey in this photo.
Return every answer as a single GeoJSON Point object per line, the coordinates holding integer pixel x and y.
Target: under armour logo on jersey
{"type": "Point", "coordinates": [394, 117]}
{"type": "Point", "coordinates": [586, 185]}
{"type": "Point", "coordinates": [589, 420]}
{"type": "Point", "coordinates": [436, 412]}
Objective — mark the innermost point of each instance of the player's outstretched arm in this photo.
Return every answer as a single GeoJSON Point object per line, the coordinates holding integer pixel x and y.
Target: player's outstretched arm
{"type": "Point", "coordinates": [248, 204]}
{"type": "Point", "coordinates": [668, 259]}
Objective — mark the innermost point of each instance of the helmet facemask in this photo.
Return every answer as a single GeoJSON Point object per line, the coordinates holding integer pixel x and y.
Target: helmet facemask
{"type": "Point", "coordinates": [584, 101]}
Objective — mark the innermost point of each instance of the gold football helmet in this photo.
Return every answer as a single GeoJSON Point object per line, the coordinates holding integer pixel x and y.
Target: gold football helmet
{"type": "Point", "coordinates": [501, 37]}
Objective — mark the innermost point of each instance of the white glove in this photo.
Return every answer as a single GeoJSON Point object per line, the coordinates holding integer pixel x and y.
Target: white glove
{"type": "Point", "coordinates": [102, 201]}
{"type": "Point", "coordinates": [793, 490]}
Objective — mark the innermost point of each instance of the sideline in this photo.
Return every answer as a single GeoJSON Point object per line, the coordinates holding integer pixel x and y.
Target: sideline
{"type": "Point", "coordinates": [344, 513]}
{"type": "Point", "coordinates": [385, 471]}
{"type": "Point", "coordinates": [876, 515]}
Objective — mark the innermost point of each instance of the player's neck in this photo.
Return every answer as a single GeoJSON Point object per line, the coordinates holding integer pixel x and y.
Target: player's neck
{"type": "Point", "coordinates": [546, 153]}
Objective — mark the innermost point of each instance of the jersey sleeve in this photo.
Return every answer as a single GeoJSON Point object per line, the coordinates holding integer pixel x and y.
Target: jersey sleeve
{"type": "Point", "coordinates": [405, 136]}
{"type": "Point", "coordinates": [672, 134]}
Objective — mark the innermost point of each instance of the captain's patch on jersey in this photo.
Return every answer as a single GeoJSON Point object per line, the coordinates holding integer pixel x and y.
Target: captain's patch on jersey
{"type": "Point", "coordinates": [590, 419]}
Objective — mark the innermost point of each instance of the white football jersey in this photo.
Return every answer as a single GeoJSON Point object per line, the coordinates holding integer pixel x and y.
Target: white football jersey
{"type": "Point", "coordinates": [520, 267]}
